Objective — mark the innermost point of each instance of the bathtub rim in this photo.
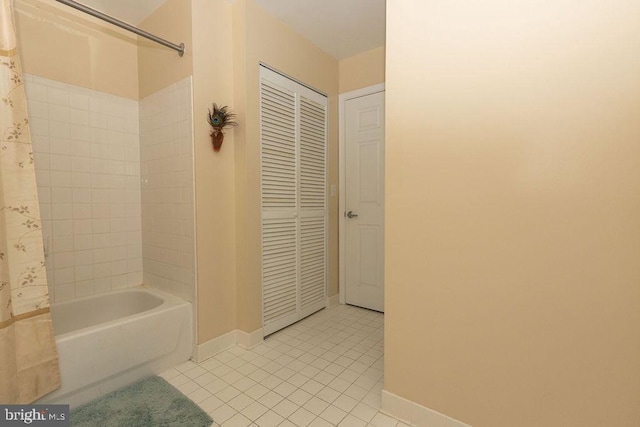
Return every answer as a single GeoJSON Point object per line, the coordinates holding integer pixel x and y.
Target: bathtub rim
{"type": "Point", "coordinates": [168, 301]}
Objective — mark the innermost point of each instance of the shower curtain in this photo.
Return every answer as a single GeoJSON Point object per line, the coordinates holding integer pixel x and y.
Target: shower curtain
{"type": "Point", "coordinates": [28, 355]}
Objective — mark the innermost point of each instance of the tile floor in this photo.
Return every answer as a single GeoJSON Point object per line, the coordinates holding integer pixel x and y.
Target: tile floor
{"type": "Point", "coordinates": [326, 370]}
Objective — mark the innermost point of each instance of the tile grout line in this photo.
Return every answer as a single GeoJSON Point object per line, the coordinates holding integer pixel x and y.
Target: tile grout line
{"type": "Point", "coordinates": [338, 359]}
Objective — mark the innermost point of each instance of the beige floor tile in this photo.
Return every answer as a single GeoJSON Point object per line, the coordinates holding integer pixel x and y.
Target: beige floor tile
{"type": "Point", "coordinates": [326, 370]}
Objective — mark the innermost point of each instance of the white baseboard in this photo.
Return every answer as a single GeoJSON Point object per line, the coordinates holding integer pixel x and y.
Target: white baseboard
{"type": "Point", "coordinates": [228, 340]}
{"type": "Point", "coordinates": [332, 301]}
{"type": "Point", "coordinates": [415, 414]}
{"type": "Point", "coordinates": [249, 340]}
{"type": "Point", "coordinates": [216, 345]}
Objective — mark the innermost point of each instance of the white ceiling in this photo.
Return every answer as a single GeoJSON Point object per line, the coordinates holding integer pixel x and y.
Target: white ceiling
{"type": "Point", "coordinates": [342, 28]}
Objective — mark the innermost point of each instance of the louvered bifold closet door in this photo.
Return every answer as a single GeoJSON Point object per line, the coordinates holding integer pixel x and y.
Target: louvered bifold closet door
{"type": "Point", "coordinates": [312, 205]}
{"type": "Point", "coordinates": [293, 125]}
{"type": "Point", "coordinates": [279, 206]}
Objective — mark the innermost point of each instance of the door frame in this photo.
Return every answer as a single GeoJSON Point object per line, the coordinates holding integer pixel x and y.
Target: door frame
{"type": "Point", "coordinates": [342, 104]}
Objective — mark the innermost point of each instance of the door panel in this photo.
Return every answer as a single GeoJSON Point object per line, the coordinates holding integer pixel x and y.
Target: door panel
{"type": "Point", "coordinates": [369, 238]}
{"type": "Point", "coordinates": [293, 140]}
{"type": "Point", "coordinates": [364, 233]}
{"type": "Point", "coordinates": [279, 275]}
{"type": "Point", "coordinates": [369, 164]}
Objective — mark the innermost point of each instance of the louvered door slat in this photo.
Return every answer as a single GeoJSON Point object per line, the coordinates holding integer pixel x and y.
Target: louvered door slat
{"type": "Point", "coordinates": [312, 262]}
{"type": "Point", "coordinates": [312, 154]}
{"type": "Point", "coordinates": [278, 144]}
{"type": "Point", "coordinates": [312, 200]}
{"type": "Point", "coordinates": [279, 272]}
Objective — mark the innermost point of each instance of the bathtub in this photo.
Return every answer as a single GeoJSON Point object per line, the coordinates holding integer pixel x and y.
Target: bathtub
{"type": "Point", "coordinates": [108, 341]}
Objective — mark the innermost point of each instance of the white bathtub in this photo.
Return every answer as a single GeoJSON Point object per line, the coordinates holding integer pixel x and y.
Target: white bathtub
{"type": "Point", "coordinates": [108, 341]}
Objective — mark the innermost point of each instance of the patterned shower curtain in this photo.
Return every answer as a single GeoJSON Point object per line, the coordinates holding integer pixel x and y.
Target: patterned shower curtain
{"type": "Point", "coordinates": [28, 355]}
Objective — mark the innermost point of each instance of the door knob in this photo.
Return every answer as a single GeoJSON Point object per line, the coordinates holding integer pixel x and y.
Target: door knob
{"type": "Point", "coordinates": [352, 214]}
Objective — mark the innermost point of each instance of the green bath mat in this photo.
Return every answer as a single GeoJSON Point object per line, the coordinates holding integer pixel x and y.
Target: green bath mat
{"type": "Point", "coordinates": [151, 402]}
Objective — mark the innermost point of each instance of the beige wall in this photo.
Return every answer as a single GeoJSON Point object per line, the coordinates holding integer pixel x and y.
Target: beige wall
{"type": "Point", "coordinates": [362, 70]}
{"type": "Point", "coordinates": [513, 217]}
{"type": "Point", "coordinates": [59, 43]}
{"type": "Point", "coordinates": [213, 81]}
{"type": "Point", "coordinates": [260, 37]}
{"type": "Point", "coordinates": [159, 66]}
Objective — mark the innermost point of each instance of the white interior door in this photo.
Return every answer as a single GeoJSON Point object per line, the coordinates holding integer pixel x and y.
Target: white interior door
{"type": "Point", "coordinates": [364, 201]}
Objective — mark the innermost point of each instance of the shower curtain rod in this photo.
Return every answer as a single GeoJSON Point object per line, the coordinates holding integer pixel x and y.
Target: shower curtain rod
{"type": "Point", "coordinates": [122, 24]}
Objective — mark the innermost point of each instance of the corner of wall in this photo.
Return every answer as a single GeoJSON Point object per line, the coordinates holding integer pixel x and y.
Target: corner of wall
{"type": "Point", "coordinates": [415, 414]}
{"type": "Point", "coordinates": [362, 70]}
{"type": "Point", "coordinates": [246, 340]}
{"type": "Point", "coordinates": [333, 300]}
{"type": "Point", "coordinates": [159, 68]}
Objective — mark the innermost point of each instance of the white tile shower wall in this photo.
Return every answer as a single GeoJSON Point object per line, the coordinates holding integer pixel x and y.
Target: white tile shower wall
{"type": "Point", "coordinates": [87, 160]}
{"type": "Point", "coordinates": [166, 159]}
